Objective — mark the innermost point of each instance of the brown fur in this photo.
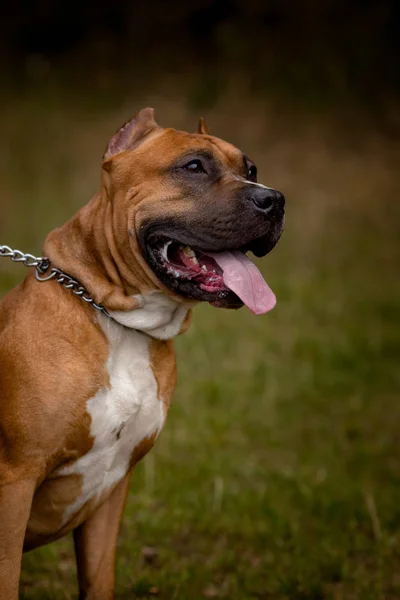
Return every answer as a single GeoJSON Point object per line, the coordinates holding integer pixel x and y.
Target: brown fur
{"type": "Point", "coordinates": [162, 358]}
{"type": "Point", "coordinates": [53, 351]}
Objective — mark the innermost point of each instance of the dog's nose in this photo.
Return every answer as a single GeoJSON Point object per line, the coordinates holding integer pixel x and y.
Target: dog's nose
{"type": "Point", "coordinates": [267, 198]}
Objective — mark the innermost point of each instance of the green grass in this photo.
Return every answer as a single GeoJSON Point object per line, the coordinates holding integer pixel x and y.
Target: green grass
{"type": "Point", "coordinates": [277, 474]}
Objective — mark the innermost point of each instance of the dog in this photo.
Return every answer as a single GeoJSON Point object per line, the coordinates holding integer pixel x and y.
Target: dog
{"type": "Point", "coordinates": [84, 394]}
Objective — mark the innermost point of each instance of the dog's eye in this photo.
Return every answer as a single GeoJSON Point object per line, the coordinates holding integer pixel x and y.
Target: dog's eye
{"type": "Point", "coordinates": [252, 173]}
{"type": "Point", "coordinates": [194, 166]}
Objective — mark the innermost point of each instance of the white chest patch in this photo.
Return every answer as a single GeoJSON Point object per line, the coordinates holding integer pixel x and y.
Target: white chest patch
{"type": "Point", "coordinates": [122, 415]}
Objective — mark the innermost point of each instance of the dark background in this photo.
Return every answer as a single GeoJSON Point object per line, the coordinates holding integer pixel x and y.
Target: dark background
{"type": "Point", "coordinates": [314, 54]}
{"type": "Point", "coordinates": [277, 474]}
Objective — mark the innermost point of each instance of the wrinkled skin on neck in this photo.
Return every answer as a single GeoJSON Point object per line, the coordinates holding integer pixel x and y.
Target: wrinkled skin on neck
{"type": "Point", "coordinates": [98, 246]}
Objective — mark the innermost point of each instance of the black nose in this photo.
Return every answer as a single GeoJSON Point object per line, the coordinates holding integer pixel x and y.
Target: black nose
{"type": "Point", "coordinates": [267, 198]}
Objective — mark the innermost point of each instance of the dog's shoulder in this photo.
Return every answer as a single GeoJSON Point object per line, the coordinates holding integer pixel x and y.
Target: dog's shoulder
{"type": "Point", "coordinates": [53, 356]}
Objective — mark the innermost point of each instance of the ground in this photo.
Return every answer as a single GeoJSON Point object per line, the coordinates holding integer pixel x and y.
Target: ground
{"type": "Point", "coordinates": [277, 474]}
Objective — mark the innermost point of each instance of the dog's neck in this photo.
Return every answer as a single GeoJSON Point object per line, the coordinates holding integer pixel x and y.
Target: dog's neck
{"type": "Point", "coordinates": [100, 255]}
{"type": "Point", "coordinates": [96, 249]}
{"type": "Point", "coordinates": [157, 315]}
{"type": "Point", "coordinates": [86, 248]}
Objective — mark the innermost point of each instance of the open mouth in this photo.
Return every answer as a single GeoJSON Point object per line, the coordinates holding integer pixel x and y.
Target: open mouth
{"type": "Point", "coordinates": [186, 263]}
{"type": "Point", "coordinates": [227, 278]}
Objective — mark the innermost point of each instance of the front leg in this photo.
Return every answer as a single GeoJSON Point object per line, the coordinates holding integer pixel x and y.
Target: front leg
{"type": "Point", "coordinates": [95, 546]}
{"type": "Point", "coordinates": [15, 505]}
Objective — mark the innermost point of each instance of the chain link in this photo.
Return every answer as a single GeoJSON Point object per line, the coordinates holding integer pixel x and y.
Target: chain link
{"type": "Point", "coordinates": [42, 265]}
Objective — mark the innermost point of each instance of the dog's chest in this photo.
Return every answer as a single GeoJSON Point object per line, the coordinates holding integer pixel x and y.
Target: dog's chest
{"type": "Point", "coordinates": [123, 417]}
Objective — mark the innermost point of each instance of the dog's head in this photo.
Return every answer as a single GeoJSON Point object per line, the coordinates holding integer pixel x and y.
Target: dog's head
{"type": "Point", "coordinates": [192, 209]}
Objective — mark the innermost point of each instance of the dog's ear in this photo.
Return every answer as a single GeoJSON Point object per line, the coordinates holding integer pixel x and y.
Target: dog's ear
{"type": "Point", "coordinates": [202, 127]}
{"type": "Point", "coordinates": [131, 133]}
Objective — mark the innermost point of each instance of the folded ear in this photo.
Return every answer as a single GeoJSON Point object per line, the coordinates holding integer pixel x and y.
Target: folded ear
{"type": "Point", "coordinates": [131, 133]}
{"type": "Point", "coordinates": [202, 127]}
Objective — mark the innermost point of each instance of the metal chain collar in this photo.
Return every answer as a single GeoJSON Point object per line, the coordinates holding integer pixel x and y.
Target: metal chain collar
{"type": "Point", "coordinates": [42, 265]}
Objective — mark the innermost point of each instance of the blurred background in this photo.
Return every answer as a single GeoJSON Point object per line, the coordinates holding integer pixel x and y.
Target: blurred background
{"type": "Point", "coordinates": [277, 474]}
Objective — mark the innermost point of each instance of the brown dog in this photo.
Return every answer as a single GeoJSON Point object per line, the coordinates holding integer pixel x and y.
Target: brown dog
{"type": "Point", "coordinates": [84, 395]}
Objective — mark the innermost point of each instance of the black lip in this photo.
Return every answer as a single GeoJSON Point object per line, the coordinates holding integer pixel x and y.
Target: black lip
{"type": "Point", "coordinates": [186, 288]}
{"type": "Point", "coordinates": [152, 235]}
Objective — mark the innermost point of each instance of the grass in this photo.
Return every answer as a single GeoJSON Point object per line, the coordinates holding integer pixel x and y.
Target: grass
{"type": "Point", "coordinates": [277, 474]}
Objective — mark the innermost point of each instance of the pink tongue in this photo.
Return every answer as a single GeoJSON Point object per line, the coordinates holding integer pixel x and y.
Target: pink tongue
{"type": "Point", "coordinates": [242, 277]}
